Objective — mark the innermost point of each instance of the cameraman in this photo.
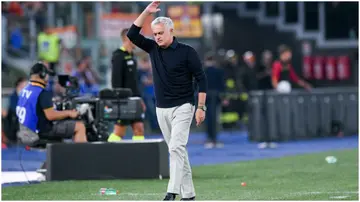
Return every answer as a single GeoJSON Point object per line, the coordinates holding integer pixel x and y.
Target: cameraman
{"type": "Point", "coordinates": [37, 116]}
{"type": "Point", "coordinates": [124, 75]}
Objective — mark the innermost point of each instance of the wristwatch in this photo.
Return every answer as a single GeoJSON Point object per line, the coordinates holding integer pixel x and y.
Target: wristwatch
{"type": "Point", "coordinates": [203, 107]}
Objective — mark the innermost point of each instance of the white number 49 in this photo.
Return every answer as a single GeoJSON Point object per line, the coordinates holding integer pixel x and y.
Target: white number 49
{"type": "Point", "coordinates": [21, 114]}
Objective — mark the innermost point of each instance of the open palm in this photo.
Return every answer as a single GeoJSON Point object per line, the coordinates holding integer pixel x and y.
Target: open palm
{"type": "Point", "coordinates": [153, 7]}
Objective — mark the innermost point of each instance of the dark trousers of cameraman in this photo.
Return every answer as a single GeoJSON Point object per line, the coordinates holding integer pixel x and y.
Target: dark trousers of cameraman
{"type": "Point", "coordinates": [212, 114]}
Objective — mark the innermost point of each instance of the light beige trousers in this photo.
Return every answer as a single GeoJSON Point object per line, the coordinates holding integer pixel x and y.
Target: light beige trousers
{"type": "Point", "coordinates": [175, 126]}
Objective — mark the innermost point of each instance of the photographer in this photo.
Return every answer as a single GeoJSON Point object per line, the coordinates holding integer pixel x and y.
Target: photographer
{"type": "Point", "coordinates": [124, 75]}
{"type": "Point", "coordinates": [37, 116]}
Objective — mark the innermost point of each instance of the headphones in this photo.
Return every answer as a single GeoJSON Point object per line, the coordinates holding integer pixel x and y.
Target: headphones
{"type": "Point", "coordinates": [40, 69]}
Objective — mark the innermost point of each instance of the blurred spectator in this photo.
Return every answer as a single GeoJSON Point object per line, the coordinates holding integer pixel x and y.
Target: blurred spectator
{"type": "Point", "coordinates": [10, 121]}
{"type": "Point", "coordinates": [249, 71]}
{"type": "Point", "coordinates": [15, 8]}
{"type": "Point", "coordinates": [36, 10]}
{"type": "Point", "coordinates": [249, 81]}
{"type": "Point", "coordinates": [233, 86]}
{"type": "Point", "coordinates": [16, 37]}
{"type": "Point", "coordinates": [232, 71]}
{"type": "Point", "coordinates": [146, 82]}
{"type": "Point", "coordinates": [49, 48]}
{"type": "Point", "coordinates": [216, 85]}
{"type": "Point", "coordinates": [283, 70]}
{"type": "Point", "coordinates": [264, 71]}
{"type": "Point", "coordinates": [220, 57]}
{"type": "Point", "coordinates": [88, 78]}
{"type": "Point", "coordinates": [68, 69]}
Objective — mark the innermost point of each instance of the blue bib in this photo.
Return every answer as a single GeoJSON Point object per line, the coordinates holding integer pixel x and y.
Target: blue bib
{"type": "Point", "coordinates": [26, 106]}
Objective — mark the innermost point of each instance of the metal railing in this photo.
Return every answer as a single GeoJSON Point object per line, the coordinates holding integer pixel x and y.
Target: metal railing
{"type": "Point", "coordinates": [298, 115]}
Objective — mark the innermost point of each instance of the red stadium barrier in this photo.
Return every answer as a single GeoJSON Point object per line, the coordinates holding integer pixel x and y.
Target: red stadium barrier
{"type": "Point", "coordinates": [330, 68]}
{"type": "Point", "coordinates": [343, 67]}
{"type": "Point", "coordinates": [307, 67]}
{"type": "Point", "coordinates": [318, 67]}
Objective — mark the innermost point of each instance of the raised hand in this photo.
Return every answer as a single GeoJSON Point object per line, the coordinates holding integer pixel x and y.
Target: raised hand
{"type": "Point", "coordinates": [153, 7]}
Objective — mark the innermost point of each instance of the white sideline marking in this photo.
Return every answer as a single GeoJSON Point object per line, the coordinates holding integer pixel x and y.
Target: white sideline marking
{"type": "Point", "coordinates": [339, 197]}
{"type": "Point", "coordinates": [134, 194]}
{"type": "Point", "coordinates": [141, 194]}
{"type": "Point", "coordinates": [19, 176]}
{"type": "Point", "coordinates": [316, 193]}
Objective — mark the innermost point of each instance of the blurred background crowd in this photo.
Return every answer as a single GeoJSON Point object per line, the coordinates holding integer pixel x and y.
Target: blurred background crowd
{"type": "Point", "coordinates": [238, 42]}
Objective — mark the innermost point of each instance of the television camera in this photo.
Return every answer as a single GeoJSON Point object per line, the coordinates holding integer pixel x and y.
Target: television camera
{"type": "Point", "coordinates": [97, 112]}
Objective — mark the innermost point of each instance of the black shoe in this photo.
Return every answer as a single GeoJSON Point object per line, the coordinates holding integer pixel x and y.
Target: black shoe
{"type": "Point", "coordinates": [188, 199]}
{"type": "Point", "coordinates": [169, 197]}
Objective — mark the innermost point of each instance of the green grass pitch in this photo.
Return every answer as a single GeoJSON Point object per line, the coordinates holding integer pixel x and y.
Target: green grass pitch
{"type": "Point", "coordinates": [303, 177]}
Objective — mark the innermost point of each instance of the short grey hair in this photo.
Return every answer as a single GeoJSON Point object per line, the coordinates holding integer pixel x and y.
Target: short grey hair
{"type": "Point", "coordinates": [167, 22]}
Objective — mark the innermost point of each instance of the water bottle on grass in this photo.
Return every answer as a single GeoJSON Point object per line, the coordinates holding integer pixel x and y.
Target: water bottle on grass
{"type": "Point", "coordinates": [108, 191]}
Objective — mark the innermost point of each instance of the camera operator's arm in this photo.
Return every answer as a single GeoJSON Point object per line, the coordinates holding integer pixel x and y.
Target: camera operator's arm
{"type": "Point", "coordinates": [46, 104]}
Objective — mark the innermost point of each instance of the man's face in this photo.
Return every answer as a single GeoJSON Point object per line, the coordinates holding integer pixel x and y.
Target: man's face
{"type": "Point", "coordinates": [286, 56]}
{"type": "Point", "coordinates": [267, 58]}
{"type": "Point", "coordinates": [250, 61]}
{"type": "Point", "coordinates": [68, 68]}
{"type": "Point", "coordinates": [162, 34]}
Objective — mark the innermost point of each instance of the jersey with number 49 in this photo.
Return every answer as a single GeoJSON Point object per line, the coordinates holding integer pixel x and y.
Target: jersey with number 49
{"type": "Point", "coordinates": [26, 106]}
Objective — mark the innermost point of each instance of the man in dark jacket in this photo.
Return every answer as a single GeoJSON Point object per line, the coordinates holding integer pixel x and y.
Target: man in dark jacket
{"type": "Point", "coordinates": [216, 85]}
{"type": "Point", "coordinates": [249, 71]}
{"type": "Point", "coordinates": [264, 71]}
